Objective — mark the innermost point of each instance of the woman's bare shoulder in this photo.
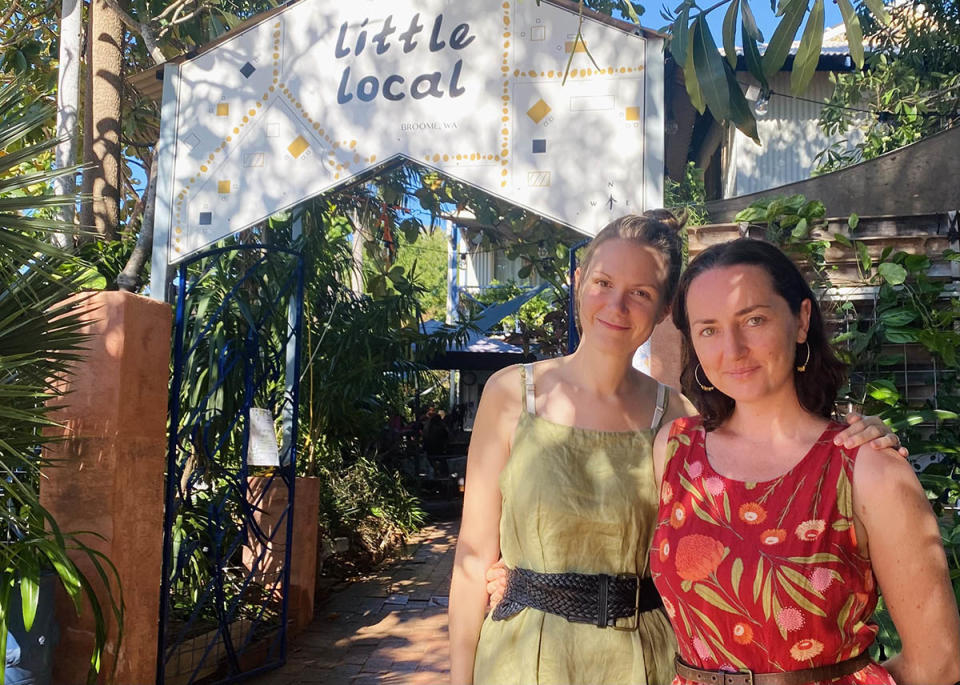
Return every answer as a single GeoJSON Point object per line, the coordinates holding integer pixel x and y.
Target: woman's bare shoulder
{"type": "Point", "coordinates": [504, 387]}
{"type": "Point", "coordinates": [678, 406]}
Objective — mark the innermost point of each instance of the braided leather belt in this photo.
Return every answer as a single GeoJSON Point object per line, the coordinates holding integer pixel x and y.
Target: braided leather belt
{"type": "Point", "coordinates": [804, 676]}
{"type": "Point", "coordinates": [599, 599]}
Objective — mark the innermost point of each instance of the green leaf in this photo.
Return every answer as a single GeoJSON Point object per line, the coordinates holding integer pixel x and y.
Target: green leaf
{"type": "Point", "coordinates": [758, 579]}
{"type": "Point", "coordinates": [631, 12]}
{"type": "Point", "coordinates": [843, 240]}
{"type": "Point", "coordinates": [767, 596]}
{"type": "Point", "coordinates": [800, 580]}
{"type": "Point", "coordinates": [691, 80]}
{"type": "Point", "coordinates": [740, 111]}
{"type": "Point", "coordinates": [29, 595]}
{"type": "Point", "coordinates": [898, 317]}
{"type": "Point", "coordinates": [878, 10]}
{"type": "Point", "coordinates": [853, 221]}
{"type": "Point", "coordinates": [733, 659]}
{"type": "Point", "coordinates": [800, 230]}
{"type": "Point", "coordinates": [894, 274]}
{"type": "Point", "coordinates": [845, 613]}
{"type": "Point", "coordinates": [736, 572]}
{"type": "Point", "coordinates": [808, 54]}
{"type": "Point", "coordinates": [679, 38]}
{"type": "Point", "coordinates": [709, 71]}
{"type": "Point", "coordinates": [779, 47]}
{"type": "Point", "coordinates": [798, 597]}
{"type": "Point", "coordinates": [884, 391]}
{"type": "Point", "coordinates": [702, 513]}
{"type": "Point", "coordinates": [851, 23]}
{"type": "Point", "coordinates": [751, 56]}
{"type": "Point", "coordinates": [818, 558]}
{"type": "Point", "coordinates": [749, 24]}
{"type": "Point", "coordinates": [730, 33]}
{"type": "Point", "coordinates": [712, 597]}
{"type": "Point", "coordinates": [900, 336]}
{"type": "Point", "coordinates": [916, 263]}
{"type": "Point", "coordinates": [864, 254]}
{"type": "Point", "coordinates": [707, 621]}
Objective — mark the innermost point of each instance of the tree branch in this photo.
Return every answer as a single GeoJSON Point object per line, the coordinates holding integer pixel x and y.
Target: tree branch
{"type": "Point", "coordinates": [141, 29]}
{"type": "Point", "coordinates": [129, 278]}
{"type": "Point", "coordinates": [9, 13]}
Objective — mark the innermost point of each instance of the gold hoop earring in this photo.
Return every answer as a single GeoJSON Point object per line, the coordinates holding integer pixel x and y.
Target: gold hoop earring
{"type": "Point", "coordinates": [696, 377]}
{"type": "Point", "coordinates": [803, 367]}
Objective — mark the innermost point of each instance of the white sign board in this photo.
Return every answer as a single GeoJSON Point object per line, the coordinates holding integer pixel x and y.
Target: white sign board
{"type": "Point", "coordinates": [262, 447]}
{"type": "Point", "coordinates": [325, 90]}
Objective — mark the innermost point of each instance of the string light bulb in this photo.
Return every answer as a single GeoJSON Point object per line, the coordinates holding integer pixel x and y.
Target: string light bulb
{"type": "Point", "coordinates": [760, 107]}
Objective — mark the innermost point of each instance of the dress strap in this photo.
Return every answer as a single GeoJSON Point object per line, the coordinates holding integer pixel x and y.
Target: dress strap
{"type": "Point", "coordinates": [662, 396]}
{"type": "Point", "coordinates": [529, 394]}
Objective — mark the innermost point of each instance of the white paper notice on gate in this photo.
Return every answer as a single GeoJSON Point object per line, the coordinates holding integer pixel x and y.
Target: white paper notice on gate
{"type": "Point", "coordinates": [262, 449]}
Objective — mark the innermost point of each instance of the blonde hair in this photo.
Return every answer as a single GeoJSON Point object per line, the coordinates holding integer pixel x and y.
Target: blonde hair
{"type": "Point", "coordinates": [658, 228]}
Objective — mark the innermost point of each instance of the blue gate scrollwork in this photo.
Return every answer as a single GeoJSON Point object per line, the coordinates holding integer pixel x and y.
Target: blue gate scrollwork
{"type": "Point", "coordinates": [228, 523]}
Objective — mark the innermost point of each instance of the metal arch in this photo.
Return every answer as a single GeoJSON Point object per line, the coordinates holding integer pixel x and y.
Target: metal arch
{"type": "Point", "coordinates": [223, 610]}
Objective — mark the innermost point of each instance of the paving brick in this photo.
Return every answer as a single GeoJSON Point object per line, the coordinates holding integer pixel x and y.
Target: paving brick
{"type": "Point", "coordinates": [389, 628]}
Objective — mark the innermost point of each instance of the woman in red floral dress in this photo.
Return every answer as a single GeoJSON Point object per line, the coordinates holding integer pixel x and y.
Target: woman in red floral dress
{"type": "Point", "coordinates": [771, 540]}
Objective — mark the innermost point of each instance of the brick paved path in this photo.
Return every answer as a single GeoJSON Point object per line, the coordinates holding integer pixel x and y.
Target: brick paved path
{"type": "Point", "coordinates": [388, 629]}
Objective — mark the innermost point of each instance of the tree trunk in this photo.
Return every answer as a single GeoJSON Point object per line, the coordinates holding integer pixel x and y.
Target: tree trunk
{"type": "Point", "coordinates": [101, 137]}
{"type": "Point", "coordinates": [68, 96]}
{"type": "Point", "coordinates": [359, 237]}
{"type": "Point", "coordinates": [129, 278]}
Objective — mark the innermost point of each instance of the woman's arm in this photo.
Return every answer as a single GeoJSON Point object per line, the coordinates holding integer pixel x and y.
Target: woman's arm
{"type": "Point", "coordinates": [478, 543]}
{"type": "Point", "coordinates": [903, 541]}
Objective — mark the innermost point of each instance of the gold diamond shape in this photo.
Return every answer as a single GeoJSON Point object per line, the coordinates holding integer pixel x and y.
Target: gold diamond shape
{"type": "Point", "coordinates": [633, 114]}
{"type": "Point", "coordinates": [223, 187]}
{"type": "Point", "coordinates": [538, 111]}
{"type": "Point", "coordinates": [223, 109]}
{"type": "Point", "coordinates": [298, 146]}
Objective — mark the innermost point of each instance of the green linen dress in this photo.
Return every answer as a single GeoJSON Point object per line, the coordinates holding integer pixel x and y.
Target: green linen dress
{"type": "Point", "coordinates": [584, 501]}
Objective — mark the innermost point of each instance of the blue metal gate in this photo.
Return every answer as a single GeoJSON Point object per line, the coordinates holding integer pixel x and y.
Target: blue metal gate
{"type": "Point", "coordinates": [228, 522]}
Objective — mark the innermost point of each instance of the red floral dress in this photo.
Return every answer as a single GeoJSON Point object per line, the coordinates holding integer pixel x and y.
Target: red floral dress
{"type": "Point", "coordinates": [763, 576]}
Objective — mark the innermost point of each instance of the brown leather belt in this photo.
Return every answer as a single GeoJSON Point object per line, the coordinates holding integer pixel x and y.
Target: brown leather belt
{"type": "Point", "coordinates": [804, 676]}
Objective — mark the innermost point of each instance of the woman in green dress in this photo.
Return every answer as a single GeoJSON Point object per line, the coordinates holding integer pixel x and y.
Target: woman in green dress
{"type": "Point", "coordinates": [560, 483]}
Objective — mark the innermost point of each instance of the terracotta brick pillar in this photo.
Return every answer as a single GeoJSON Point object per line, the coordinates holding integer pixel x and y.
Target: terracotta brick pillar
{"type": "Point", "coordinates": [665, 362]}
{"type": "Point", "coordinates": [303, 556]}
{"type": "Point", "coordinates": [109, 477]}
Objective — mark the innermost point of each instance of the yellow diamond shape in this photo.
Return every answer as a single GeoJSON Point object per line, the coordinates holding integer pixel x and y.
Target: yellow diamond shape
{"type": "Point", "coordinates": [574, 46]}
{"type": "Point", "coordinates": [298, 146]}
{"type": "Point", "coordinates": [633, 114]}
{"type": "Point", "coordinates": [538, 111]}
{"type": "Point", "coordinates": [223, 187]}
{"type": "Point", "coordinates": [223, 109]}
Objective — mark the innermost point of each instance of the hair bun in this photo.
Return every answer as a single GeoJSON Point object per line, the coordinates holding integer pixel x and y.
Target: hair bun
{"type": "Point", "coordinates": [675, 221]}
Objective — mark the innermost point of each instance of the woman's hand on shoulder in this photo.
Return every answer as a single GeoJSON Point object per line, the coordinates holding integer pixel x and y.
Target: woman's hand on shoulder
{"type": "Point", "coordinates": [863, 429]}
{"type": "Point", "coordinates": [908, 560]}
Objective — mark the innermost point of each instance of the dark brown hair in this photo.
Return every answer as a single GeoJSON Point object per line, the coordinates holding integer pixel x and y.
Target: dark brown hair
{"type": "Point", "coordinates": [817, 387]}
{"type": "Point", "coordinates": [658, 228]}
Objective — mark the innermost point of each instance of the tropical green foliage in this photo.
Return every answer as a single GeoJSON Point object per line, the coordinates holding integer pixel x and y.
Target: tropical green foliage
{"type": "Point", "coordinates": [688, 196]}
{"type": "Point", "coordinates": [710, 77]}
{"type": "Point", "coordinates": [909, 89]}
{"type": "Point", "coordinates": [39, 338]}
{"type": "Point", "coordinates": [915, 317]}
